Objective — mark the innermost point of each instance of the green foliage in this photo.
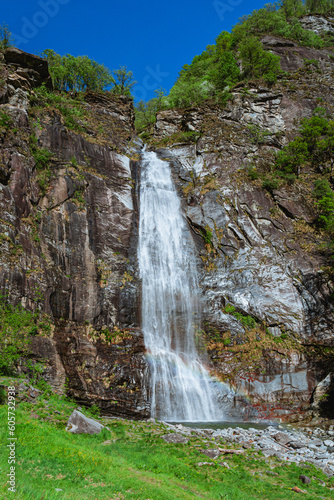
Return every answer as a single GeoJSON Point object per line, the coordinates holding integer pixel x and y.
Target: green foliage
{"type": "Point", "coordinates": [320, 6]}
{"type": "Point", "coordinates": [225, 71]}
{"type": "Point", "coordinates": [70, 108]}
{"type": "Point", "coordinates": [257, 62]}
{"type": "Point", "coordinates": [95, 411]}
{"type": "Point", "coordinates": [293, 8]}
{"type": "Point", "coordinates": [229, 309]}
{"type": "Point", "coordinates": [324, 196]}
{"type": "Point", "coordinates": [146, 113]}
{"type": "Point", "coordinates": [2, 395]}
{"type": "Point", "coordinates": [16, 326]}
{"type": "Point", "coordinates": [314, 146]}
{"type": "Point", "coordinates": [207, 236]}
{"type": "Point", "coordinates": [42, 160]}
{"type": "Point", "coordinates": [194, 83]}
{"type": "Point", "coordinates": [274, 20]}
{"type": "Point", "coordinates": [270, 184]}
{"type": "Point", "coordinates": [212, 73]}
{"type": "Point", "coordinates": [6, 120]}
{"type": "Point", "coordinates": [248, 321]}
{"type": "Point", "coordinates": [290, 159]}
{"type": "Point", "coordinates": [77, 73]}
{"type": "Point", "coordinates": [122, 81]}
{"type": "Point", "coordinates": [253, 174]}
{"type": "Point", "coordinates": [258, 135]}
{"type": "Point", "coordinates": [6, 38]}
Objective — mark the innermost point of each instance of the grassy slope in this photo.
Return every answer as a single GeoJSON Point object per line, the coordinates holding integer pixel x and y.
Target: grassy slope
{"type": "Point", "coordinates": [136, 464]}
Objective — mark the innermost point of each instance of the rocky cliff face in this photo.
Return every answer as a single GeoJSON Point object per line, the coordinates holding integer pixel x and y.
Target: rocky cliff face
{"type": "Point", "coordinates": [68, 203]}
{"type": "Point", "coordinates": [68, 231]}
{"type": "Point", "coordinates": [262, 258]}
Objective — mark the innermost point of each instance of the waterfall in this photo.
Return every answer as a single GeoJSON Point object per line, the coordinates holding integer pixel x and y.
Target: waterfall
{"type": "Point", "coordinates": [180, 386]}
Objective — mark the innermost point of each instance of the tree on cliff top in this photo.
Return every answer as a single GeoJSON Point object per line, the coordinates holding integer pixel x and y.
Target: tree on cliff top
{"type": "Point", "coordinates": [123, 81]}
{"type": "Point", "coordinates": [77, 73]}
{"type": "Point", "coordinates": [6, 39]}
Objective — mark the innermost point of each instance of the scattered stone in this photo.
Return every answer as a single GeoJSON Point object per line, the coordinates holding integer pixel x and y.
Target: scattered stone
{"type": "Point", "coordinates": [269, 453]}
{"type": "Point", "coordinates": [106, 442]}
{"type": "Point", "coordinates": [282, 438]}
{"type": "Point", "coordinates": [58, 489]}
{"type": "Point", "coordinates": [245, 445]}
{"type": "Point", "coordinates": [211, 453]}
{"type": "Point", "coordinates": [297, 445]}
{"type": "Point", "coordinates": [231, 452]}
{"type": "Point", "coordinates": [201, 464]}
{"type": "Point", "coordinates": [78, 423]}
{"type": "Point", "coordinates": [327, 471]}
{"type": "Point", "coordinates": [175, 438]}
{"type": "Point", "coordinates": [224, 464]}
{"type": "Point", "coordinates": [305, 479]}
{"type": "Point", "coordinates": [271, 473]}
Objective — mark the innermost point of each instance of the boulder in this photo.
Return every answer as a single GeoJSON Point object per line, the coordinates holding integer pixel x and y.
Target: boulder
{"type": "Point", "coordinates": [175, 438]}
{"type": "Point", "coordinates": [212, 453]}
{"type": "Point", "coordinates": [78, 423]}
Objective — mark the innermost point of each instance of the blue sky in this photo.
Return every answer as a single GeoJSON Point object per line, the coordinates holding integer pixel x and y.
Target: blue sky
{"type": "Point", "coordinates": [153, 39]}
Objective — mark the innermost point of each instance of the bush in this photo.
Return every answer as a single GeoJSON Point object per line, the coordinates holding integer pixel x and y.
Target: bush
{"type": "Point", "coordinates": [253, 174]}
{"type": "Point", "coordinates": [248, 321]}
{"type": "Point", "coordinates": [42, 160]}
{"type": "Point", "coordinates": [324, 196]}
{"type": "Point", "coordinates": [6, 120]}
{"type": "Point", "coordinates": [256, 62]}
{"type": "Point", "coordinates": [270, 184]}
{"type": "Point", "coordinates": [16, 325]}
{"type": "Point", "coordinates": [226, 71]}
{"type": "Point", "coordinates": [314, 146]}
{"type": "Point", "coordinates": [6, 38]}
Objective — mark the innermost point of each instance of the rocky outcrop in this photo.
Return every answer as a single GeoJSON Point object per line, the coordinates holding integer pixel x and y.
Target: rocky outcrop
{"type": "Point", "coordinates": [68, 236]}
{"type": "Point", "coordinates": [28, 67]}
{"type": "Point", "coordinates": [318, 24]}
{"type": "Point", "coordinates": [108, 371]}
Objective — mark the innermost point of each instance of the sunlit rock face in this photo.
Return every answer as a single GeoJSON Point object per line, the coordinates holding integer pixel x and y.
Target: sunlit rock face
{"type": "Point", "coordinates": [69, 239]}
{"type": "Point", "coordinates": [263, 257]}
{"type": "Point", "coordinates": [68, 246]}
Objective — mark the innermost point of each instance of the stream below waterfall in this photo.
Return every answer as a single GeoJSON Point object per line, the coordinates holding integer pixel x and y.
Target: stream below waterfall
{"type": "Point", "coordinates": [180, 386]}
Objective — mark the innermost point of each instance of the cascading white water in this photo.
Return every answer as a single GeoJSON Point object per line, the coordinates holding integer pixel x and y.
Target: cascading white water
{"type": "Point", "coordinates": [181, 388]}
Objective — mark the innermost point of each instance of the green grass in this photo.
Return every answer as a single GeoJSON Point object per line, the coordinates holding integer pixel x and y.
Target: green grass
{"type": "Point", "coordinates": [136, 464]}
